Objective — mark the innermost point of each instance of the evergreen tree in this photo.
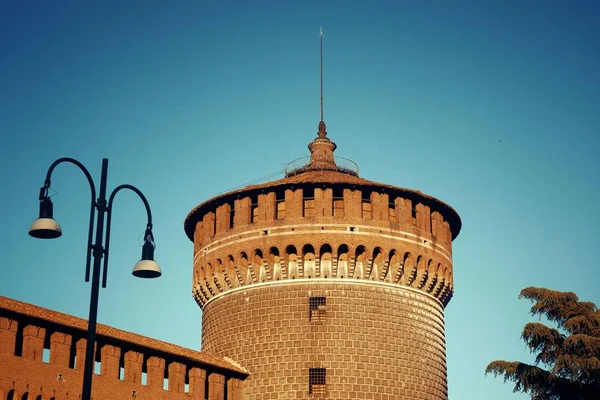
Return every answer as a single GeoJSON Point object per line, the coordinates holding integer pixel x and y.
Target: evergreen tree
{"type": "Point", "coordinates": [567, 363]}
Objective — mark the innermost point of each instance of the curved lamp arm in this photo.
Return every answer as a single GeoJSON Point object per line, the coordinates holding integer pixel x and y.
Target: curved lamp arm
{"type": "Point", "coordinates": [44, 194]}
{"type": "Point", "coordinates": [147, 235]}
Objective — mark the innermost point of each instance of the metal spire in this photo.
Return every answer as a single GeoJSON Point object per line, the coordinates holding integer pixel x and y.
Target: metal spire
{"type": "Point", "coordinates": [321, 35]}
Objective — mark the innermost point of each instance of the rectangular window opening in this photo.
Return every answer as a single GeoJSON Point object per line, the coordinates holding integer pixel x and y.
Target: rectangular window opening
{"type": "Point", "coordinates": [308, 200]}
{"type": "Point", "coordinates": [366, 206]}
{"type": "Point", "coordinates": [166, 384]}
{"type": "Point", "coordinates": [280, 205]}
{"type": "Point", "coordinates": [338, 208]}
{"type": "Point", "coordinates": [231, 217]}
{"type": "Point", "coordinates": [253, 209]}
{"type": "Point", "coordinates": [206, 388]}
{"type": "Point", "coordinates": [280, 210]}
{"type": "Point", "coordinates": [97, 367]}
{"type": "Point", "coordinates": [121, 373]}
{"type": "Point", "coordinates": [392, 211]}
{"type": "Point", "coordinates": [317, 380]}
{"type": "Point", "coordinates": [144, 378]}
{"type": "Point", "coordinates": [46, 356]}
{"type": "Point", "coordinates": [309, 208]}
{"type": "Point", "coordinates": [338, 202]}
{"type": "Point", "coordinates": [366, 210]}
{"type": "Point", "coordinates": [19, 341]}
{"type": "Point", "coordinates": [317, 309]}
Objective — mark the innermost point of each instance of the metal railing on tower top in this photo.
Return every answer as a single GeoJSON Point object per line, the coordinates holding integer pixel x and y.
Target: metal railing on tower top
{"type": "Point", "coordinates": [303, 164]}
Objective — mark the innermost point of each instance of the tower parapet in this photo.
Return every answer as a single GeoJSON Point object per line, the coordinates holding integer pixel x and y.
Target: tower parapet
{"type": "Point", "coordinates": [322, 222]}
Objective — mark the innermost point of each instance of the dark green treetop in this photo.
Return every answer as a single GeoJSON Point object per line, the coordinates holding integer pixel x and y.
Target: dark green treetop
{"type": "Point", "coordinates": [567, 363]}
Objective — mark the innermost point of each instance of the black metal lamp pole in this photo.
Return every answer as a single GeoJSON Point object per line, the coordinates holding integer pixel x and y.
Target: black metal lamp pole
{"type": "Point", "coordinates": [47, 228]}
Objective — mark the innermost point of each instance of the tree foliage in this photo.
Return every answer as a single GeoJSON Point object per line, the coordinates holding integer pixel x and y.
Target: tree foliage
{"type": "Point", "coordinates": [567, 363]}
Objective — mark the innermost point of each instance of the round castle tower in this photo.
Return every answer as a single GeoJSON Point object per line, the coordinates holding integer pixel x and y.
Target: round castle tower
{"type": "Point", "coordinates": [326, 285]}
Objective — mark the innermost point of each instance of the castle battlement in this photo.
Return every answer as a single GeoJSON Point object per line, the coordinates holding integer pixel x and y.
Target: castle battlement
{"type": "Point", "coordinates": [42, 354]}
{"type": "Point", "coordinates": [325, 225]}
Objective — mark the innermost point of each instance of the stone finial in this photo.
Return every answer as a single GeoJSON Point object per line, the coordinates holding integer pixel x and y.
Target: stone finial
{"type": "Point", "coordinates": [321, 150]}
{"type": "Point", "coordinates": [322, 129]}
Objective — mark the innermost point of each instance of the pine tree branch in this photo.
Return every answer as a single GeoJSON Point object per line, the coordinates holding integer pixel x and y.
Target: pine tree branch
{"type": "Point", "coordinates": [573, 360]}
{"type": "Point", "coordinates": [527, 378]}
{"type": "Point", "coordinates": [547, 342]}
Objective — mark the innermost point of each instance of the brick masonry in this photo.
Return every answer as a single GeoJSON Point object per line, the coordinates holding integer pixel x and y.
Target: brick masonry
{"type": "Point", "coordinates": [42, 353]}
{"type": "Point", "coordinates": [376, 340]}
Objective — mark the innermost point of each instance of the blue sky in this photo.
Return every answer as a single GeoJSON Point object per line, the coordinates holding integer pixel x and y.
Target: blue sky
{"type": "Point", "coordinates": [490, 106]}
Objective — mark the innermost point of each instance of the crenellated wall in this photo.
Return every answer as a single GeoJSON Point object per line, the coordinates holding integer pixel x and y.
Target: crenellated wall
{"type": "Point", "coordinates": [310, 204]}
{"type": "Point", "coordinates": [42, 353]}
{"type": "Point", "coordinates": [323, 231]}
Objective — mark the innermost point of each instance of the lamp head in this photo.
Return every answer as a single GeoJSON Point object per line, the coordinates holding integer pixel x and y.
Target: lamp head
{"type": "Point", "coordinates": [147, 267]}
{"type": "Point", "coordinates": [45, 227]}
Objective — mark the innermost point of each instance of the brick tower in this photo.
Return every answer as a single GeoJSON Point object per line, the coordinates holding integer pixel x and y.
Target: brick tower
{"type": "Point", "coordinates": [326, 285]}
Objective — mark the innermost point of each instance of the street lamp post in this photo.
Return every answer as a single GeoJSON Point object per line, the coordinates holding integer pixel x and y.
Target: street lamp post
{"type": "Point", "coordinates": [45, 227]}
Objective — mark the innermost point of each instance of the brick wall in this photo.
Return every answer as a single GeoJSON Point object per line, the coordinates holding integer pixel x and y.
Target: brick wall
{"type": "Point", "coordinates": [375, 340]}
{"type": "Point", "coordinates": [42, 353]}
